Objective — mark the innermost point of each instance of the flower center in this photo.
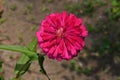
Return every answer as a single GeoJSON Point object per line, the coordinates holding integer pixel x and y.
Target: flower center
{"type": "Point", "coordinates": [60, 32]}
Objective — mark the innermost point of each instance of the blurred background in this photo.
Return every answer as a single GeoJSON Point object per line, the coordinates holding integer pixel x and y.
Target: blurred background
{"type": "Point", "coordinates": [99, 60]}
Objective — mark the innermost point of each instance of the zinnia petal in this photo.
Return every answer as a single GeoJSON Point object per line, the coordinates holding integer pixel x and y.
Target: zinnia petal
{"type": "Point", "coordinates": [61, 36]}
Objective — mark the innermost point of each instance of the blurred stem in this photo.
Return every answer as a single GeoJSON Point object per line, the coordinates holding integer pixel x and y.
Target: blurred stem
{"type": "Point", "coordinates": [22, 68]}
{"type": "Point", "coordinates": [48, 77]}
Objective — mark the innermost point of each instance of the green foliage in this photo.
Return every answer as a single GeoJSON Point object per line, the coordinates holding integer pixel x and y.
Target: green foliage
{"type": "Point", "coordinates": [11, 56]}
{"type": "Point", "coordinates": [106, 44]}
{"type": "Point", "coordinates": [78, 69]}
{"type": "Point", "coordinates": [40, 61]}
{"type": "Point", "coordinates": [73, 8]}
{"type": "Point", "coordinates": [16, 79]}
{"type": "Point", "coordinates": [13, 7]}
{"type": "Point", "coordinates": [1, 78]}
{"type": "Point", "coordinates": [31, 18]}
{"type": "Point", "coordinates": [99, 2]}
{"type": "Point", "coordinates": [3, 2]}
{"type": "Point", "coordinates": [32, 46]}
{"type": "Point", "coordinates": [1, 71]}
{"type": "Point", "coordinates": [50, 1]}
{"type": "Point", "coordinates": [22, 65]}
{"type": "Point", "coordinates": [44, 8]}
{"type": "Point", "coordinates": [28, 8]}
{"type": "Point", "coordinates": [24, 62]}
{"type": "Point", "coordinates": [114, 11]}
{"type": "Point", "coordinates": [118, 78]}
{"type": "Point", "coordinates": [90, 28]}
{"type": "Point", "coordinates": [86, 71]}
{"type": "Point", "coordinates": [72, 65]}
{"type": "Point", "coordinates": [2, 20]}
{"type": "Point", "coordinates": [88, 7]}
{"type": "Point", "coordinates": [33, 28]}
{"type": "Point", "coordinates": [28, 55]}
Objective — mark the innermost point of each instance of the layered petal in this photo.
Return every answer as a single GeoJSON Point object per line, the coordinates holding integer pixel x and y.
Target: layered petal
{"type": "Point", "coordinates": [61, 36]}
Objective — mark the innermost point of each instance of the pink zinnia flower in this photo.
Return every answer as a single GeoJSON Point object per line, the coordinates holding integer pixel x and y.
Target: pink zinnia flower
{"type": "Point", "coordinates": [61, 36]}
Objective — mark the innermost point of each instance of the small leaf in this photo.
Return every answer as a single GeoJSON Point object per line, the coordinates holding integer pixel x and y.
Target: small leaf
{"type": "Point", "coordinates": [1, 69]}
{"type": "Point", "coordinates": [41, 60]}
{"type": "Point", "coordinates": [20, 63]}
{"type": "Point", "coordinates": [16, 79]}
{"type": "Point", "coordinates": [2, 20]}
{"type": "Point", "coordinates": [72, 65]}
{"type": "Point", "coordinates": [25, 51]}
{"type": "Point", "coordinates": [1, 64]}
{"type": "Point", "coordinates": [32, 45]}
{"type": "Point", "coordinates": [24, 59]}
{"type": "Point", "coordinates": [1, 78]}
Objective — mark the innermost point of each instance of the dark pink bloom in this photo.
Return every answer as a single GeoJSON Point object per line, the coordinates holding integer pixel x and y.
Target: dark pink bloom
{"type": "Point", "coordinates": [61, 36]}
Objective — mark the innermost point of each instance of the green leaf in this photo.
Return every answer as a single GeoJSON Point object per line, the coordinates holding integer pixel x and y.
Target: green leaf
{"type": "Point", "coordinates": [1, 69]}
{"type": "Point", "coordinates": [16, 79]}
{"type": "Point", "coordinates": [1, 64]}
{"type": "Point", "coordinates": [24, 50]}
{"type": "Point", "coordinates": [72, 65]}
{"type": "Point", "coordinates": [24, 59]}
{"type": "Point", "coordinates": [2, 20]}
{"type": "Point", "coordinates": [20, 64]}
{"type": "Point", "coordinates": [32, 45]}
{"type": "Point", "coordinates": [41, 60]}
{"type": "Point", "coordinates": [1, 78]}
